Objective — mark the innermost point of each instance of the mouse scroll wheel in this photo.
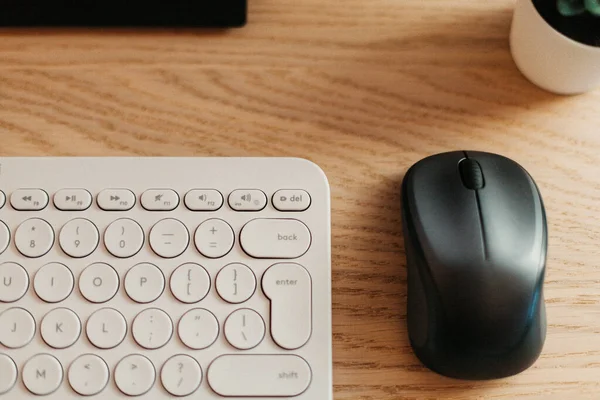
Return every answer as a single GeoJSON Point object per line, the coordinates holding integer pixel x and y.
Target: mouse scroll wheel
{"type": "Point", "coordinates": [471, 174]}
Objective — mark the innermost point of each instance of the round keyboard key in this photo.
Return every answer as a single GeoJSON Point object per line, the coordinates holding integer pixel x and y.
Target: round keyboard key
{"type": "Point", "coordinates": [14, 282]}
{"type": "Point", "coordinates": [53, 282]}
{"type": "Point", "coordinates": [42, 374]}
{"type": "Point", "coordinates": [236, 283]}
{"type": "Point", "coordinates": [152, 328]}
{"type": "Point", "coordinates": [8, 377]}
{"type": "Point", "coordinates": [4, 237]}
{"type": "Point", "coordinates": [17, 328]}
{"type": "Point", "coordinates": [144, 283]}
{"type": "Point", "coordinates": [181, 375]}
{"type": "Point", "coordinates": [198, 329]}
{"type": "Point", "coordinates": [99, 283]}
{"type": "Point", "coordinates": [60, 328]}
{"type": "Point", "coordinates": [244, 329]}
{"type": "Point", "coordinates": [124, 238]}
{"type": "Point", "coordinates": [214, 238]}
{"type": "Point", "coordinates": [88, 375]}
{"type": "Point", "coordinates": [34, 238]}
{"type": "Point", "coordinates": [190, 283]}
{"type": "Point", "coordinates": [106, 328]}
{"type": "Point", "coordinates": [135, 375]}
{"type": "Point", "coordinates": [79, 238]}
{"type": "Point", "coordinates": [169, 238]}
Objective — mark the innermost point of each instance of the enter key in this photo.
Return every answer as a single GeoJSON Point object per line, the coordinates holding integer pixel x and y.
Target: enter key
{"type": "Point", "coordinates": [289, 287]}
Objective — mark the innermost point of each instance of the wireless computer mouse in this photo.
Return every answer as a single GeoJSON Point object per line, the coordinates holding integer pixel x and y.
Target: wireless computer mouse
{"type": "Point", "coordinates": [476, 241]}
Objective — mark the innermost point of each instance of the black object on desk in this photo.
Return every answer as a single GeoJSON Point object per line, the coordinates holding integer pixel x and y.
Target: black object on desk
{"type": "Point", "coordinates": [476, 242]}
{"type": "Point", "coordinates": [123, 13]}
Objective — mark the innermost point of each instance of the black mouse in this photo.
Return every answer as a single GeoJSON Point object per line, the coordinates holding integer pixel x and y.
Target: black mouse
{"type": "Point", "coordinates": [475, 234]}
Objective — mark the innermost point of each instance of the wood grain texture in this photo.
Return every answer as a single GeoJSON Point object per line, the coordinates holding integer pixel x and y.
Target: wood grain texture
{"type": "Point", "coordinates": [364, 88]}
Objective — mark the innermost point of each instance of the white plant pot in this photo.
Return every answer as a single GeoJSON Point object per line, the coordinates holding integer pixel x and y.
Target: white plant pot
{"type": "Point", "coordinates": [548, 58]}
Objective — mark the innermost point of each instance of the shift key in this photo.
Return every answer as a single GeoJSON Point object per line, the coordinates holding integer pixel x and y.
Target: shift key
{"type": "Point", "coordinates": [259, 375]}
{"type": "Point", "coordinates": [275, 238]}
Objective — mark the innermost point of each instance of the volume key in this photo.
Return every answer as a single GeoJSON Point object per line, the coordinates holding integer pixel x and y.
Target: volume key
{"type": "Point", "coordinates": [247, 200]}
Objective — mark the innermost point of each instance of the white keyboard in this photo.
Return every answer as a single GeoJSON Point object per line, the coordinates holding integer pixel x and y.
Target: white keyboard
{"type": "Point", "coordinates": [164, 277]}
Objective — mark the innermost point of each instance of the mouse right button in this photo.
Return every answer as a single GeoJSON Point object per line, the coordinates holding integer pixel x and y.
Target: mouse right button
{"type": "Point", "coordinates": [512, 212]}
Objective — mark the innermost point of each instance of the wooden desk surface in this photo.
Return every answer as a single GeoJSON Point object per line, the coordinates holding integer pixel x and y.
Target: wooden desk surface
{"type": "Point", "coordinates": [364, 88]}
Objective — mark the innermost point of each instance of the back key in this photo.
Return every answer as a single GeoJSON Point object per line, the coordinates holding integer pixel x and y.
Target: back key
{"type": "Point", "coordinates": [275, 238]}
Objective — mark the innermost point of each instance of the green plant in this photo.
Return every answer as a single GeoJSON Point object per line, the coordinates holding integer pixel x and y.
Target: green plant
{"type": "Point", "coordinates": [570, 8]}
{"type": "Point", "coordinates": [576, 19]}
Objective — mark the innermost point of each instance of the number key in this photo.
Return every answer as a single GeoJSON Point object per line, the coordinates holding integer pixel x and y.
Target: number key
{"type": "Point", "coordinates": [79, 238]}
{"type": "Point", "coordinates": [34, 238]}
{"type": "Point", "coordinates": [124, 238]}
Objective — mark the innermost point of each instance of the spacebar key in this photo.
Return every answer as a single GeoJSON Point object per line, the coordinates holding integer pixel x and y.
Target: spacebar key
{"type": "Point", "coordinates": [259, 375]}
